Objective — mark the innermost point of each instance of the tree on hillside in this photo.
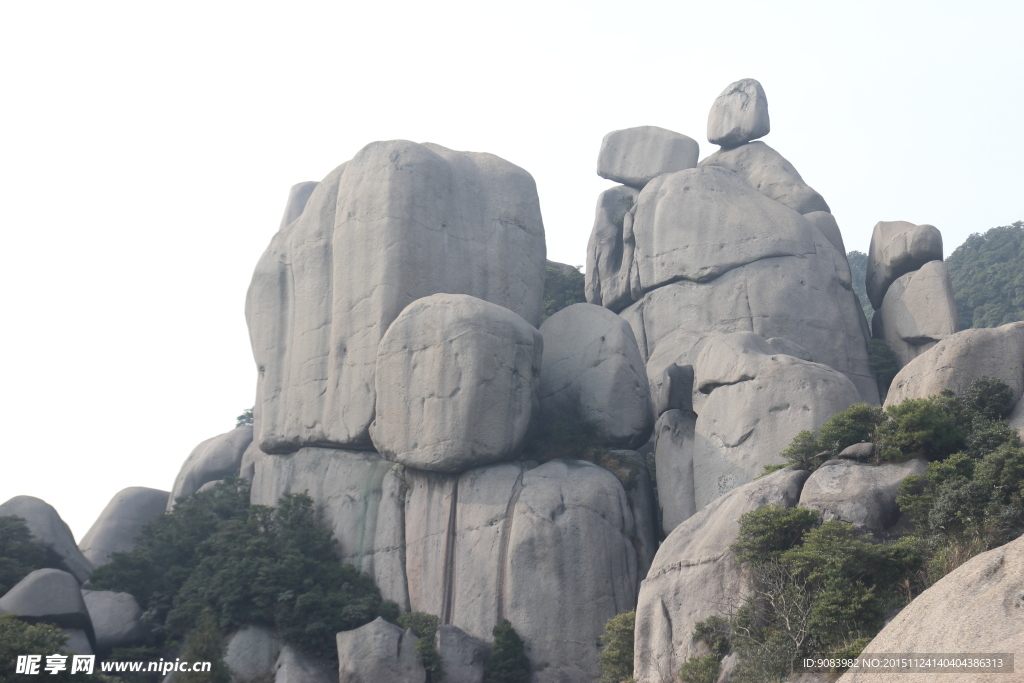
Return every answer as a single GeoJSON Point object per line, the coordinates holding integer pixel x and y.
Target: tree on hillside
{"type": "Point", "coordinates": [987, 272]}
{"type": "Point", "coordinates": [859, 269]}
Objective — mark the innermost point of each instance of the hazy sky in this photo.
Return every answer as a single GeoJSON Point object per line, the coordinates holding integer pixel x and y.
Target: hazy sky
{"type": "Point", "coordinates": [146, 151]}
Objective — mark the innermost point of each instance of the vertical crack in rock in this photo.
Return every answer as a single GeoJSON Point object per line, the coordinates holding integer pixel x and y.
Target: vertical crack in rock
{"type": "Point", "coordinates": [448, 592]}
{"type": "Point", "coordinates": [506, 538]}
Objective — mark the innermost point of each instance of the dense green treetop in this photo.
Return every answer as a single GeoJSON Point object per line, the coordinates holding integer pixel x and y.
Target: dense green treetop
{"type": "Point", "coordinates": [987, 272]}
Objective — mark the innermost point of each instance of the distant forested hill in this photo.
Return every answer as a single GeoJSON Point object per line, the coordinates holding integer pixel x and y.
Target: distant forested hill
{"type": "Point", "coordinates": [858, 269]}
{"type": "Point", "coordinates": [988, 277]}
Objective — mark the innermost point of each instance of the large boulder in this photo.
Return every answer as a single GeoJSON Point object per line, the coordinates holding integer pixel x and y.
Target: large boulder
{"type": "Point", "coordinates": [552, 549]}
{"type": "Point", "coordinates": [114, 531]}
{"type": "Point", "coordinates": [398, 222]}
{"type": "Point", "coordinates": [358, 496]}
{"type": "Point", "coordinates": [379, 651]}
{"type": "Point", "coordinates": [694, 575]}
{"type": "Point", "coordinates": [295, 666]}
{"type": "Point", "coordinates": [959, 359]}
{"type": "Point", "coordinates": [50, 596]}
{"type": "Point", "coordinates": [592, 371]}
{"type": "Point", "coordinates": [50, 532]}
{"type": "Point", "coordinates": [673, 457]}
{"type": "Point", "coordinates": [635, 156]}
{"type": "Point", "coordinates": [457, 381]}
{"type": "Point", "coordinates": [859, 494]}
{"type": "Point", "coordinates": [739, 114]}
{"type": "Point", "coordinates": [772, 175]}
{"type": "Point", "coordinates": [610, 249]}
{"type": "Point", "coordinates": [116, 619]}
{"type": "Point", "coordinates": [215, 458]}
{"type": "Point", "coordinates": [297, 198]}
{"type": "Point", "coordinates": [897, 248]}
{"type": "Point", "coordinates": [251, 652]}
{"type": "Point", "coordinates": [919, 310]}
{"type": "Point", "coordinates": [977, 608]}
{"type": "Point", "coordinates": [757, 401]}
{"type": "Point", "coordinates": [826, 223]}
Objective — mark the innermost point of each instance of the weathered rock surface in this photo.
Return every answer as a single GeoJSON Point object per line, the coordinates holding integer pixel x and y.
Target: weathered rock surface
{"type": "Point", "coordinates": [457, 381]}
{"type": "Point", "coordinates": [379, 651]}
{"type": "Point", "coordinates": [977, 608]}
{"type": "Point", "coordinates": [863, 451]}
{"type": "Point", "coordinates": [114, 531]}
{"type": "Point", "coordinates": [610, 249]}
{"type": "Point", "coordinates": [297, 198]}
{"type": "Point", "coordinates": [772, 175]}
{"type": "Point", "coordinates": [463, 657]}
{"type": "Point", "coordinates": [739, 114]}
{"type": "Point", "coordinates": [635, 156]}
{"type": "Point", "coordinates": [673, 456]}
{"type": "Point", "coordinates": [295, 666]}
{"type": "Point", "coordinates": [826, 223]}
{"type": "Point", "coordinates": [757, 402]}
{"type": "Point", "coordinates": [551, 549]}
{"type": "Point", "coordinates": [49, 531]}
{"type": "Point", "coordinates": [358, 496]}
{"type": "Point", "coordinates": [859, 494]}
{"type": "Point", "coordinates": [694, 575]}
{"type": "Point", "coordinates": [116, 619]}
{"type": "Point", "coordinates": [215, 458]}
{"type": "Point", "coordinates": [592, 371]}
{"type": "Point", "coordinates": [919, 310]}
{"type": "Point", "coordinates": [897, 248]}
{"type": "Point", "coordinates": [959, 359]}
{"type": "Point", "coordinates": [398, 222]}
{"type": "Point", "coordinates": [48, 595]}
{"type": "Point", "coordinates": [251, 652]}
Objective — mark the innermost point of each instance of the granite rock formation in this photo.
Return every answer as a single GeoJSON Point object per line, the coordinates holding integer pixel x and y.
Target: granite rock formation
{"type": "Point", "coordinates": [739, 114]}
{"type": "Point", "coordinates": [50, 532]}
{"type": "Point", "coordinates": [114, 531]}
{"type": "Point", "coordinates": [635, 156]}
{"type": "Point", "coordinates": [213, 459]}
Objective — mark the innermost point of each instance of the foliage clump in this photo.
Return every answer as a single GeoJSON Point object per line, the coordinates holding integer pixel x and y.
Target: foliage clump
{"type": "Point", "coordinates": [508, 662]}
{"type": "Point", "coordinates": [562, 289]}
{"type": "Point", "coordinates": [424, 627]}
{"type": "Point", "coordinates": [987, 274]}
{"type": "Point", "coordinates": [18, 638]}
{"type": "Point", "coordinates": [19, 556]}
{"type": "Point", "coordinates": [616, 656]}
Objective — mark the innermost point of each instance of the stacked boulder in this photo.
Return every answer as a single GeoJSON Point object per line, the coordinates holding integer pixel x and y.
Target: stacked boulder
{"type": "Point", "coordinates": [688, 253]}
{"type": "Point", "coordinates": [909, 287]}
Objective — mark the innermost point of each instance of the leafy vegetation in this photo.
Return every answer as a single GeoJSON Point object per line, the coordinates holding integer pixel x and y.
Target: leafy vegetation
{"type": "Point", "coordinates": [508, 662]}
{"type": "Point", "coordinates": [424, 626]}
{"type": "Point", "coordinates": [987, 272]}
{"type": "Point", "coordinates": [859, 269]}
{"type": "Point", "coordinates": [244, 565]}
{"type": "Point", "coordinates": [883, 363]}
{"type": "Point", "coordinates": [562, 289]}
{"type": "Point", "coordinates": [616, 657]}
{"type": "Point", "coordinates": [19, 556]}
{"type": "Point", "coordinates": [205, 644]}
{"type": "Point", "coordinates": [826, 588]}
{"type": "Point", "coordinates": [19, 638]}
{"type": "Point", "coordinates": [244, 419]}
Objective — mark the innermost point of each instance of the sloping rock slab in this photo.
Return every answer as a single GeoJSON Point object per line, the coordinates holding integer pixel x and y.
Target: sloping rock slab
{"type": "Point", "coordinates": [114, 531]}
{"type": "Point", "coordinates": [49, 531]}
{"type": "Point", "coordinates": [215, 458]}
{"type": "Point", "coordinates": [377, 652]}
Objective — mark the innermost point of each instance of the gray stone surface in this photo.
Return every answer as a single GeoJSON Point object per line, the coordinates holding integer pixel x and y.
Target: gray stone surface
{"type": "Point", "coordinates": [78, 641]}
{"type": "Point", "coordinates": [772, 175]}
{"type": "Point", "coordinates": [251, 652]}
{"type": "Point", "coordinates": [676, 390]}
{"type": "Point", "coordinates": [552, 549]}
{"type": "Point", "coordinates": [756, 404]}
{"type": "Point", "coordinates": [919, 310]}
{"type": "Point", "coordinates": [592, 371]}
{"type": "Point", "coordinates": [859, 451]}
{"type": "Point", "coordinates": [826, 223]}
{"type": "Point", "coordinates": [114, 531]}
{"type": "Point", "coordinates": [897, 248]}
{"type": "Point", "coordinates": [959, 359]}
{"type": "Point", "coordinates": [635, 156]}
{"type": "Point", "coordinates": [610, 249]}
{"type": "Point", "coordinates": [297, 198]}
{"type": "Point", "coordinates": [694, 575]}
{"type": "Point", "coordinates": [116, 619]}
{"type": "Point", "coordinates": [673, 456]}
{"type": "Point", "coordinates": [463, 657]}
{"type": "Point", "coordinates": [215, 458]}
{"type": "Point", "coordinates": [859, 494]}
{"type": "Point", "coordinates": [49, 531]}
{"type": "Point", "coordinates": [739, 114]}
{"type": "Point", "coordinates": [49, 595]}
{"type": "Point", "coordinates": [358, 496]}
{"type": "Point", "coordinates": [789, 348]}
{"type": "Point", "coordinates": [976, 608]}
{"type": "Point", "coordinates": [376, 652]}
{"type": "Point", "coordinates": [295, 666]}
{"type": "Point", "coordinates": [398, 222]}
{"type": "Point", "coordinates": [457, 381]}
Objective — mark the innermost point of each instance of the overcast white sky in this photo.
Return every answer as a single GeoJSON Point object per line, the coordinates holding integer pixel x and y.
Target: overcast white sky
{"type": "Point", "coordinates": [146, 151]}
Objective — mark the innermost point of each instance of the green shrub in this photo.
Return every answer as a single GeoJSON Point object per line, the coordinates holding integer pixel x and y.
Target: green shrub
{"type": "Point", "coordinates": [424, 626]}
{"type": "Point", "coordinates": [616, 657]}
{"type": "Point", "coordinates": [19, 556]}
{"type": "Point", "coordinates": [18, 638]}
{"type": "Point", "coordinates": [771, 530]}
{"type": "Point", "coordinates": [204, 643]}
{"type": "Point", "coordinates": [700, 669]}
{"type": "Point", "coordinates": [508, 662]}
{"type": "Point", "coordinates": [916, 427]}
{"type": "Point", "coordinates": [562, 290]}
